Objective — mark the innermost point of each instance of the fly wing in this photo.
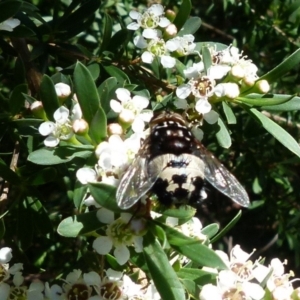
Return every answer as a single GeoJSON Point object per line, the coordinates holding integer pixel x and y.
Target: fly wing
{"type": "Point", "coordinates": [135, 183]}
{"type": "Point", "coordinates": [221, 178]}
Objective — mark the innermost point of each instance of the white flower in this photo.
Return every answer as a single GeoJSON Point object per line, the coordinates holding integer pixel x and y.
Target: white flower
{"type": "Point", "coordinates": [86, 175]}
{"type": "Point", "coordinates": [194, 71]}
{"type": "Point", "coordinates": [119, 234]}
{"type": "Point", "coordinates": [5, 255]}
{"type": "Point", "coordinates": [151, 19]}
{"type": "Point", "coordinates": [60, 130]}
{"type": "Point", "coordinates": [133, 106]}
{"type": "Point", "coordinates": [182, 45]}
{"type": "Point", "coordinates": [54, 292]}
{"type": "Point", "coordinates": [156, 47]}
{"type": "Point", "coordinates": [228, 89]}
{"type": "Point", "coordinates": [9, 24]}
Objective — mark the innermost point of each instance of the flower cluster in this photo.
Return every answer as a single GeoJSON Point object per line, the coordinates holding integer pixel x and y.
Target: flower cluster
{"type": "Point", "coordinates": [158, 38]}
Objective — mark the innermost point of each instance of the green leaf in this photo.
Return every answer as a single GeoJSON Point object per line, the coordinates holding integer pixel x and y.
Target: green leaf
{"type": "Point", "coordinates": [288, 64]}
{"type": "Point", "coordinates": [210, 230]}
{"type": "Point", "coordinates": [162, 273]}
{"type": "Point", "coordinates": [183, 14]}
{"type": "Point", "coordinates": [107, 92]}
{"type": "Point", "coordinates": [182, 212]}
{"type": "Point", "coordinates": [198, 276]}
{"type": "Point", "coordinates": [98, 127]}
{"type": "Point", "coordinates": [7, 174]}
{"type": "Point", "coordinates": [105, 195]}
{"type": "Point", "coordinates": [43, 176]}
{"type": "Point", "coordinates": [48, 97]}
{"type": "Point", "coordinates": [113, 71]}
{"type": "Point", "coordinates": [8, 9]}
{"type": "Point", "coordinates": [94, 70]}
{"type": "Point", "coordinates": [86, 92]}
{"type": "Point", "coordinates": [230, 116]}
{"type": "Point", "coordinates": [223, 135]}
{"type": "Point", "coordinates": [278, 132]}
{"type": "Point", "coordinates": [292, 105]}
{"type": "Point", "coordinates": [193, 249]}
{"type": "Point", "coordinates": [47, 156]}
{"type": "Point", "coordinates": [118, 40]}
{"type": "Point", "coordinates": [266, 100]}
{"type": "Point", "coordinates": [230, 225]}
{"type": "Point", "coordinates": [191, 26]}
{"type": "Point", "coordinates": [16, 100]}
{"type": "Point", "coordinates": [79, 224]}
{"type": "Point", "coordinates": [206, 58]}
{"type": "Point", "coordinates": [107, 32]}
{"type": "Point", "coordinates": [2, 228]}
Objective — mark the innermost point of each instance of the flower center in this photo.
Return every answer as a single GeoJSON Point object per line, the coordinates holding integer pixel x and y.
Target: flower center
{"type": "Point", "coordinates": [234, 294]}
{"type": "Point", "coordinates": [157, 47]}
{"type": "Point", "coordinates": [202, 86]}
{"type": "Point", "coordinates": [78, 292]}
{"type": "Point", "coordinates": [18, 293]}
{"type": "Point", "coordinates": [110, 291]}
{"type": "Point", "coordinates": [120, 232]}
{"type": "Point", "coordinates": [242, 270]}
{"type": "Point", "coordinates": [148, 20]}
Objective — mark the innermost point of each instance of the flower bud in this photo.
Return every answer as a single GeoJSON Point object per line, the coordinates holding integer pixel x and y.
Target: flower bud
{"type": "Point", "coordinates": [237, 71]}
{"type": "Point", "coordinates": [170, 31]}
{"type": "Point", "coordinates": [114, 128]}
{"type": "Point", "coordinates": [126, 118]}
{"type": "Point", "coordinates": [80, 127]}
{"type": "Point", "coordinates": [62, 90]}
{"type": "Point", "coordinates": [170, 14]}
{"type": "Point", "coordinates": [263, 86]}
{"type": "Point", "coordinates": [37, 110]}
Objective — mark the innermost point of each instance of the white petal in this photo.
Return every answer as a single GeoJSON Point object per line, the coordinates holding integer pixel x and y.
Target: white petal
{"type": "Point", "coordinates": [146, 115]}
{"type": "Point", "coordinates": [76, 112]}
{"type": "Point", "coordinates": [198, 133]}
{"type": "Point", "coordinates": [147, 57]}
{"type": "Point", "coordinates": [86, 175]}
{"type": "Point", "coordinates": [122, 254]}
{"type": "Point", "coordinates": [102, 244]}
{"type": "Point", "coordinates": [140, 42]}
{"type": "Point", "coordinates": [278, 266]}
{"type": "Point", "coordinates": [51, 141]}
{"type": "Point", "coordinates": [134, 15]}
{"type": "Point", "coordinates": [62, 89]}
{"type": "Point", "coordinates": [183, 91]}
{"type": "Point", "coordinates": [46, 128]}
{"type": "Point", "coordinates": [133, 26]}
{"type": "Point", "coordinates": [18, 279]}
{"type": "Point", "coordinates": [4, 287]}
{"type": "Point", "coordinates": [61, 115]}
{"type": "Point", "coordinates": [140, 102]}
{"type": "Point", "coordinates": [211, 117]}
{"type": "Point", "coordinates": [92, 278]}
{"type": "Point", "coordinates": [105, 215]}
{"type": "Point", "coordinates": [237, 254]}
{"type": "Point", "coordinates": [138, 244]}
{"type": "Point", "coordinates": [218, 71]}
{"type": "Point", "coordinates": [156, 9]}
{"type": "Point", "coordinates": [123, 94]}
{"type": "Point", "coordinates": [168, 61]}
{"type": "Point", "coordinates": [150, 33]}
{"type": "Point", "coordinates": [138, 125]}
{"type": "Point", "coordinates": [114, 275]}
{"type": "Point", "coordinates": [73, 276]}
{"type": "Point", "coordinates": [15, 268]}
{"type": "Point", "coordinates": [203, 106]}
{"type": "Point", "coordinates": [172, 45]}
{"type": "Point", "coordinates": [164, 22]}
{"type": "Point", "coordinates": [210, 292]}
{"type": "Point", "coordinates": [5, 255]}
{"type": "Point", "coordinates": [255, 291]}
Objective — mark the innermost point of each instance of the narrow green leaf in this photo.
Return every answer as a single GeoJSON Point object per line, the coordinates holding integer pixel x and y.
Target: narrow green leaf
{"type": "Point", "coordinates": [48, 157]}
{"type": "Point", "coordinates": [183, 14]}
{"type": "Point", "coordinates": [121, 77]}
{"type": "Point", "coordinates": [278, 132]}
{"type": "Point", "coordinates": [98, 127]}
{"type": "Point", "coordinates": [43, 176]}
{"type": "Point", "coordinates": [265, 101]}
{"type": "Point", "coordinates": [162, 273]}
{"type": "Point", "coordinates": [48, 97]}
{"type": "Point", "coordinates": [191, 26]}
{"type": "Point", "coordinates": [86, 92]}
{"type": "Point", "coordinates": [182, 212]}
{"type": "Point", "coordinates": [7, 174]}
{"type": "Point", "coordinates": [107, 33]}
{"type": "Point", "coordinates": [223, 135]}
{"type": "Point", "coordinates": [105, 195]}
{"type": "Point", "coordinates": [206, 58]}
{"type": "Point", "coordinates": [16, 100]}
{"type": "Point", "coordinates": [291, 105]}
{"type": "Point", "coordinates": [288, 64]}
{"type": "Point", "coordinates": [198, 276]}
{"type": "Point", "coordinates": [193, 249]}
{"type": "Point", "coordinates": [210, 230]}
{"type": "Point", "coordinates": [230, 116]}
{"type": "Point", "coordinates": [8, 9]}
{"type": "Point", "coordinates": [230, 225]}
{"type": "Point", "coordinates": [79, 224]}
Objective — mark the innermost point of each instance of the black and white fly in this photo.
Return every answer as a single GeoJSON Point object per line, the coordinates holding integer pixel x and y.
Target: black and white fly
{"type": "Point", "coordinates": [173, 164]}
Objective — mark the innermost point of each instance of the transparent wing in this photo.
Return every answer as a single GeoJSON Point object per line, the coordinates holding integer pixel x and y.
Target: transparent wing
{"type": "Point", "coordinates": [221, 178]}
{"type": "Point", "coordinates": [135, 183]}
